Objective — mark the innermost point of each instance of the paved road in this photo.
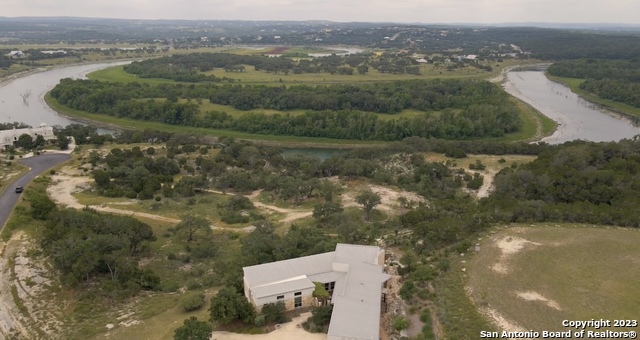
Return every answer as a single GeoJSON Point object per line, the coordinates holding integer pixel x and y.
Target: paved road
{"type": "Point", "coordinates": [38, 165]}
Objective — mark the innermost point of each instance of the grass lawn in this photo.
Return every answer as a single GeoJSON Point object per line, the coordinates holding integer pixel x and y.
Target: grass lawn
{"type": "Point", "coordinates": [550, 273]}
{"type": "Point", "coordinates": [574, 85]}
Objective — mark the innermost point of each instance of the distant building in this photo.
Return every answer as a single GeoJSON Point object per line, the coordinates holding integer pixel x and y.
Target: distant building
{"type": "Point", "coordinates": [16, 54]}
{"type": "Point", "coordinates": [10, 137]}
{"type": "Point", "coordinates": [352, 274]}
{"type": "Point", "coordinates": [54, 52]}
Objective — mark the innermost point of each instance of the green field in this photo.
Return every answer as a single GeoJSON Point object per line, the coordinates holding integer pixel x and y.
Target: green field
{"type": "Point", "coordinates": [537, 276]}
{"type": "Point", "coordinates": [574, 85]}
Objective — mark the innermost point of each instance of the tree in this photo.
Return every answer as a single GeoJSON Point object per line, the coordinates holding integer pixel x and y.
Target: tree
{"type": "Point", "coordinates": [192, 329]}
{"type": "Point", "coordinates": [41, 206]}
{"type": "Point", "coordinates": [229, 305]}
{"type": "Point", "coordinates": [25, 141]}
{"type": "Point", "coordinates": [63, 142]}
{"type": "Point", "coordinates": [192, 225]}
{"type": "Point", "coordinates": [369, 200]}
{"type": "Point", "coordinates": [363, 69]}
{"type": "Point", "coordinates": [274, 312]}
{"type": "Point", "coordinates": [102, 178]}
{"type": "Point", "coordinates": [322, 211]}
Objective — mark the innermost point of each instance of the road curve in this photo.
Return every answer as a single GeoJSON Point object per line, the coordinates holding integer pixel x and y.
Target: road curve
{"type": "Point", "coordinates": [38, 165]}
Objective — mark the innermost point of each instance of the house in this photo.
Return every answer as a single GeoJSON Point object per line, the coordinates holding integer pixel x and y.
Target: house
{"type": "Point", "coordinates": [352, 274]}
{"type": "Point", "coordinates": [9, 137]}
{"type": "Point", "coordinates": [16, 54]}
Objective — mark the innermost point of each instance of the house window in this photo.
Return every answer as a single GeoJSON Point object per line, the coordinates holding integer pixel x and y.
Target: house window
{"type": "Point", "coordinates": [297, 301]}
{"type": "Point", "coordinates": [280, 298]}
{"type": "Point", "coordinates": [330, 286]}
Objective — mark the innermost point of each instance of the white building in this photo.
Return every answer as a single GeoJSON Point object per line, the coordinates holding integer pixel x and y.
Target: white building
{"type": "Point", "coordinates": [352, 274]}
{"type": "Point", "coordinates": [9, 137]}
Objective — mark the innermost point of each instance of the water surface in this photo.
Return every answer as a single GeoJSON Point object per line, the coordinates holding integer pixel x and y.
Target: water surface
{"type": "Point", "coordinates": [33, 110]}
{"type": "Point", "coordinates": [576, 117]}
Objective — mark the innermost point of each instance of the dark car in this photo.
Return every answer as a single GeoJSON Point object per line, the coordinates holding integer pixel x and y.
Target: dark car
{"type": "Point", "coordinates": [19, 190]}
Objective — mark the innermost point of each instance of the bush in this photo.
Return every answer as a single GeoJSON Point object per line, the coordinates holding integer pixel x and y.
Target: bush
{"type": "Point", "coordinates": [131, 194]}
{"type": "Point", "coordinates": [52, 172]}
{"type": "Point", "coordinates": [259, 321]}
{"type": "Point", "coordinates": [400, 323]}
{"type": "Point", "coordinates": [455, 153]}
{"type": "Point", "coordinates": [234, 218]}
{"type": "Point", "coordinates": [319, 320]}
{"type": "Point", "coordinates": [12, 157]}
{"type": "Point", "coordinates": [477, 166]}
{"type": "Point", "coordinates": [407, 290]}
{"type": "Point", "coordinates": [193, 285]}
{"type": "Point", "coordinates": [158, 198]}
{"type": "Point", "coordinates": [169, 286]}
{"type": "Point", "coordinates": [274, 312]}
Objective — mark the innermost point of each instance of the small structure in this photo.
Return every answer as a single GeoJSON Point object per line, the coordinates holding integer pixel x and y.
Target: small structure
{"type": "Point", "coordinates": [352, 274]}
{"type": "Point", "coordinates": [10, 137]}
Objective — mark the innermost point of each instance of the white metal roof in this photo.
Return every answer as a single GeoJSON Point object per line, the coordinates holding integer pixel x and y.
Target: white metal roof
{"type": "Point", "coordinates": [282, 270]}
{"type": "Point", "coordinates": [356, 297]}
{"type": "Point", "coordinates": [277, 288]}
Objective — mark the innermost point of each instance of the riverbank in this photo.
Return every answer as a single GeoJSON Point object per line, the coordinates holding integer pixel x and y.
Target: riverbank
{"type": "Point", "coordinates": [606, 106]}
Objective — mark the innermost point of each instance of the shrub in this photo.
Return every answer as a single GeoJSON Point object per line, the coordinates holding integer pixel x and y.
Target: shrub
{"type": "Point", "coordinates": [400, 323]}
{"type": "Point", "coordinates": [52, 172]}
{"type": "Point", "coordinates": [407, 290]}
{"type": "Point", "coordinates": [259, 321]}
{"type": "Point", "coordinates": [131, 194]}
{"type": "Point", "coordinates": [274, 312]}
{"type": "Point", "coordinates": [158, 198]}
{"type": "Point", "coordinates": [455, 153]}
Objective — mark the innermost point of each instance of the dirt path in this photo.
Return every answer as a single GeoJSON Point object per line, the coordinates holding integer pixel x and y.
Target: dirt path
{"type": "Point", "coordinates": [291, 214]}
{"type": "Point", "coordinates": [487, 183]}
{"type": "Point", "coordinates": [289, 331]}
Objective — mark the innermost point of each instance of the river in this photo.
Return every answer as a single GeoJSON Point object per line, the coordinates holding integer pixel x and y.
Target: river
{"type": "Point", "coordinates": [33, 110]}
{"type": "Point", "coordinates": [576, 117]}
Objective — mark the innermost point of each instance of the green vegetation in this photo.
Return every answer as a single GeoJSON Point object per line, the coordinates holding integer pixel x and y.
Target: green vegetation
{"type": "Point", "coordinates": [611, 83]}
{"type": "Point", "coordinates": [192, 329]}
{"type": "Point", "coordinates": [469, 109]}
{"type": "Point", "coordinates": [554, 186]}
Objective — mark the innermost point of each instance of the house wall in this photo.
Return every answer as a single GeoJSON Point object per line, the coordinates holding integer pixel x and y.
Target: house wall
{"type": "Point", "coordinates": [8, 137]}
{"type": "Point", "coordinates": [289, 299]}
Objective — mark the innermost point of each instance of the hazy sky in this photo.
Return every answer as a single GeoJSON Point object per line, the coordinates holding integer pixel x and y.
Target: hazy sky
{"type": "Point", "coordinates": [427, 11]}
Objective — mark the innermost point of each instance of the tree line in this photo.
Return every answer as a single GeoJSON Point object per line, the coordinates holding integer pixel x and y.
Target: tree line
{"type": "Point", "coordinates": [469, 109]}
{"type": "Point", "coordinates": [192, 67]}
{"type": "Point", "coordinates": [617, 80]}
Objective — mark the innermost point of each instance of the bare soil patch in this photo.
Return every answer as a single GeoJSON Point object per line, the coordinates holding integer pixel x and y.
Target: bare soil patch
{"type": "Point", "coordinates": [289, 331]}
{"type": "Point", "coordinates": [389, 197]}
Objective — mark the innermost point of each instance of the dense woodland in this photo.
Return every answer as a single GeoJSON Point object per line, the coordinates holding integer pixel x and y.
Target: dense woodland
{"type": "Point", "coordinates": [189, 67]}
{"type": "Point", "coordinates": [617, 80]}
{"type": "Point", "coordinates": [455, 109]}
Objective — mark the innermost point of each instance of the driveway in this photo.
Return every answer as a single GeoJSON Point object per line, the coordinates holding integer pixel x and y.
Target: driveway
{"type": "Point", "coordinates": [37, 165]}
{"type": "Point", "coordinates": [288, 331]}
